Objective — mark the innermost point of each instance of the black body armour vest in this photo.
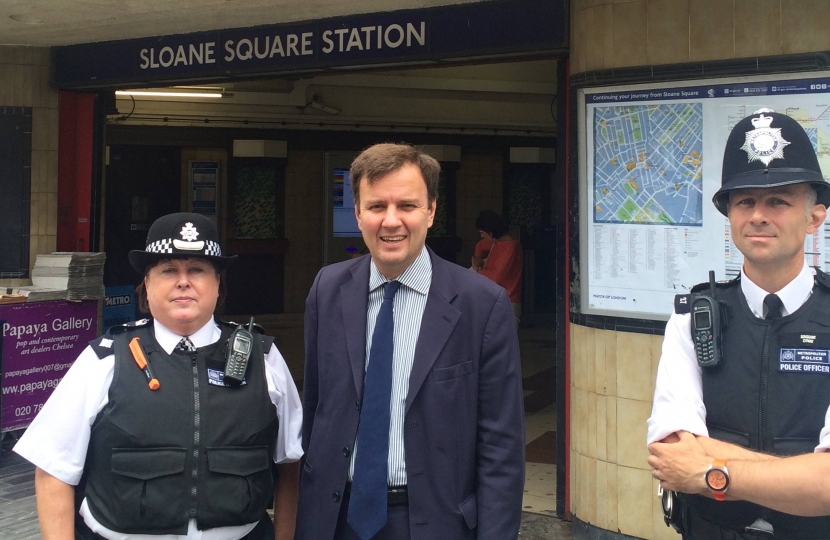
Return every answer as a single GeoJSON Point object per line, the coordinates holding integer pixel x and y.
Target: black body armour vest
{"type": "Point", "coordinates": [193, 449]}
{"type": "Point", "coordinates": [769, 394]}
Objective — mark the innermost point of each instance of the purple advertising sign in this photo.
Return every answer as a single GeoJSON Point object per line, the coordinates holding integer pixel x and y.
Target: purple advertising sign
{"type": "Point", "coordinates": [40, 341]}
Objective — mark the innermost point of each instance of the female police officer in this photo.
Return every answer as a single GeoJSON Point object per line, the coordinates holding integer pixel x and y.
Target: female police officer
{"type": "Point", "coordinates": [173, 451]}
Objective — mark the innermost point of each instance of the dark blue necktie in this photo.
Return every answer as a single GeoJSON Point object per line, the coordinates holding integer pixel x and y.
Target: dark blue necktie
{"type": "Point", "coordinates": [367, 506]}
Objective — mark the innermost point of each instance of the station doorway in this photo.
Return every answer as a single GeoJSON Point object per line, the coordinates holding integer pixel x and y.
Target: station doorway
{"type": "Point", "coordinates": [275, 149]}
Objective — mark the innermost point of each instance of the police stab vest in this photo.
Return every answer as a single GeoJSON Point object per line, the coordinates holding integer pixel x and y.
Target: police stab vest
{"type": "Point", "coordinates": [193, 449]}
{"type": "Point", "coordinates": [769, 394]}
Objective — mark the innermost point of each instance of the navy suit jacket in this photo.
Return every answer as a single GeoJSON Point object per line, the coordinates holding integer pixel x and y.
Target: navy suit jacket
{"type": "Point", "coordinates": [464, 419]}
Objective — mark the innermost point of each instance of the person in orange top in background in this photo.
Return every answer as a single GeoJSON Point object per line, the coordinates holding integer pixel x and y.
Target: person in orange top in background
{"type": "Point", "coordinates": [499, 257]}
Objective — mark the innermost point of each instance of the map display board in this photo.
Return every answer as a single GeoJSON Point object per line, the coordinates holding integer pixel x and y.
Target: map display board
{"type": "Point", "coordinates": [650, 163]}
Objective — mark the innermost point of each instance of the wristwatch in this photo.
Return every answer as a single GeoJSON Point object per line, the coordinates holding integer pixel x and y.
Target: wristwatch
{"type": "Point", "coordinates": [717, 479]}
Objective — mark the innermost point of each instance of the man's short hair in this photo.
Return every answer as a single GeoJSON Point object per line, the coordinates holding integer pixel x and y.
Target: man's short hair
{"type": "Point", "coordinates": [381, 159]}
{"type": "Point", "coordinates": [812, 197]}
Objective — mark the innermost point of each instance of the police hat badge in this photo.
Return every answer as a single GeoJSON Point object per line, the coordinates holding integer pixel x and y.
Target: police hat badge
{"type": "Point", "coordinates": [768, 149]}
{"type": "Point", "coordinates": [764, 143]}
{"type": "Point", "coordinates": [181, 235]}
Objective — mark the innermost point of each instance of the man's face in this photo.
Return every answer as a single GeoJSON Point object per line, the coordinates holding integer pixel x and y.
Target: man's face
{"type": "Point", "coordinates": [394, 217]}
{"type": "Point", "coordinates": [182, 293]}
{"type": "Point", "coordinates": [769, 225]}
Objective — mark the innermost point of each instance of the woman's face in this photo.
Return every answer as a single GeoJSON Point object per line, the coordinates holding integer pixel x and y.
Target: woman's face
{"type": "Point", "coordinates": [182, 293]}
{"type": "Point", "coordinates": [486, 236]}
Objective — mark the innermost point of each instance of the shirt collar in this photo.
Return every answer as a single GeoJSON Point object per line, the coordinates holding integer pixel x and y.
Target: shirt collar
{"type": "Point", "coordinates": [202, 337]}
{"type": "Point", "coordinates": [417, 277]}
{"type": "Point", "coordinates": [793, 295]}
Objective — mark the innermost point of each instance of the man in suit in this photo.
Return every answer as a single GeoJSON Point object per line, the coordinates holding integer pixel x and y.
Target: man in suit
{"type": "Point", "coordinates": [413, 422]}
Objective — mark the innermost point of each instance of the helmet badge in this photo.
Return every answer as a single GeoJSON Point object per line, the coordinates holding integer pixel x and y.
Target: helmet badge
{"type": "Point", "coordinates": [764, 143]}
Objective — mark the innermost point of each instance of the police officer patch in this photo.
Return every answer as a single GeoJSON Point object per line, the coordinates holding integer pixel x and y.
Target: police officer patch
{"type": "Point", "coordinates": [764, 143]}
{"type": "Point", "coordinates": [804, 361]}
{"type": "Point", "coordinates": [217, 378]}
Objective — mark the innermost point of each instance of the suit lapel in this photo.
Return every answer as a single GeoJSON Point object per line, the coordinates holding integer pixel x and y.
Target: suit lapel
{"type": "Point", "coordinates": [354, 300]}
{"type": "Point", "coordinates": [440, 318]}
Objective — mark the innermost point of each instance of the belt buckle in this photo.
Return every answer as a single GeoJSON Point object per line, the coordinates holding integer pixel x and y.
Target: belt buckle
{"type": "Point", "coordinates": [761, 527]}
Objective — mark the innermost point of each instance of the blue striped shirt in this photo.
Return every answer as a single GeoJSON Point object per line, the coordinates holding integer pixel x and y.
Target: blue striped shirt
{"type": "Point", "coordinates": [408, 309]}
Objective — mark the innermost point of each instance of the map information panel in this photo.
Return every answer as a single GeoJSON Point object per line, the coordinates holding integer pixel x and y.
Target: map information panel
{"type": "Point", "coordinates": [650, 164]}
{"type": "Point", "coordinates": [647, 164]}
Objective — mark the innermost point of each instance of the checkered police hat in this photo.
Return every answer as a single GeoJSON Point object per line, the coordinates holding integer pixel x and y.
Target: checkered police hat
{"type": "Point", "coordinates": [181, 235]}
{"type": "Point", "coordinates": [768, 149]}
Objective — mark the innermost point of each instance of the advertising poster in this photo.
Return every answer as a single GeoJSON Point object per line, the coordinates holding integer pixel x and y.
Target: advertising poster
{"type": "Point", "coordinates": [40, 341]}
{"type": "Point", "coordinates": [651, 165]}
{"type": "Point", "coordinates": [119, 306]}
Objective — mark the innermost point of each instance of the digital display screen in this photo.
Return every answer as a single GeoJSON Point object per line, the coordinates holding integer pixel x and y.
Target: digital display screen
{"type": "Point", "coordinates": [344, 224]}
{"type": "Point", "coordinates": [702, 320]}
{"type": "Point", "coordinates": [242, 345]}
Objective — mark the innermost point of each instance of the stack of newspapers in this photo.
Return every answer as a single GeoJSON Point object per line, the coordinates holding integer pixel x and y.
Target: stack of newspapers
{"type": "Point", "coordinates": [78, 275]}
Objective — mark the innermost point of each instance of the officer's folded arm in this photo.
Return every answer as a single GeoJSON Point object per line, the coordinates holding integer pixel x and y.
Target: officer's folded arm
{"type": "Point", "coordinates": [797, 485]}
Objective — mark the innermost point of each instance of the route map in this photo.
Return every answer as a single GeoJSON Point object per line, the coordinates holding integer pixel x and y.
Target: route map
{"type": "Point", "coordinates": [814, 118]}
{"type": "Point", "coordinates": [648, 164]}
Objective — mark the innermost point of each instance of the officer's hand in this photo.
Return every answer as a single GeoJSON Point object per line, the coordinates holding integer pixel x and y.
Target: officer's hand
{"type": "Point", "coordinates": [680, 466]}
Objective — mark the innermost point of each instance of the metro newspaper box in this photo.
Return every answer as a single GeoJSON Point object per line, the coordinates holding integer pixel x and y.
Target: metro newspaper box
{"type": "Point", "coordinates": [40, 341]}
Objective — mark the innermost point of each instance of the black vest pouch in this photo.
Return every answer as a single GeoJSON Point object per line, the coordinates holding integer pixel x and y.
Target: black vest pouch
{"type": "Point", "coordinates": [238, 480]}
{"type": "Point", "coordinates": [151, 496]}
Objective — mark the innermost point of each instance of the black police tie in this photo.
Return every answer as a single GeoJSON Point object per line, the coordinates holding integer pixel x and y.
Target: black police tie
{"type": "Point", "coordinates": [185, 345]}
{"type": "Point", "coordinates": [773, 305]}
{"type": "Point", "coordinates": [367, 507]}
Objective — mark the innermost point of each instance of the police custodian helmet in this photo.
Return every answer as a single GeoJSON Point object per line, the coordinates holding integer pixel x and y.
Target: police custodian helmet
{"type": "Point", "coordinates": [768, 149]}
{"type": "Point", "coordinates": [181, 235]}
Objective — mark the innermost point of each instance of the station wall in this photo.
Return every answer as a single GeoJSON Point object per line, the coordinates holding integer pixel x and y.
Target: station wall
{"type": "Point", "coordinates": [24, 82]}
{"type": "Point", "coordinates": [613, 373]}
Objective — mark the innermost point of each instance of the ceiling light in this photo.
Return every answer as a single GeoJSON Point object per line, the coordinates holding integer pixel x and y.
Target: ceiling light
{"type": "Point", "coordinates": [170, 93]}
{"type": "Point", "coordinates": [320, 106]}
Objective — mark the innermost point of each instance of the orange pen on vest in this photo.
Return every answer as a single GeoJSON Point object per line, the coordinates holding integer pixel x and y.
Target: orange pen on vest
{"type": "Point", "coordinates": [141, 360]}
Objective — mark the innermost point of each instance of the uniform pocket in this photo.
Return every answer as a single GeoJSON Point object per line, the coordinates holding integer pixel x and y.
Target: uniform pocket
{"type": "Point", "coordinates": [729, 435]}
{"type": "Point", "coordinates": [239, 484]}
{"type": "Point", "coordinates": [794, 446]}
{"type": "Point", "coordinates": [452, 372]}
{"type": "Point", "coordinates": [151, 492]}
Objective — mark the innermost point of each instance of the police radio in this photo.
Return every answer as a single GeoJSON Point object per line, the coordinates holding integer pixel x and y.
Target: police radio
{"type": "Point", "coordinates": [707, 323]}
{"type": "Point", "coordinates": [240, 345]}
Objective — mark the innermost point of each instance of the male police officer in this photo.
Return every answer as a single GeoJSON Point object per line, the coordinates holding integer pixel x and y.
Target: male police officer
{"type": "Point", "coordinates": [744, 440]}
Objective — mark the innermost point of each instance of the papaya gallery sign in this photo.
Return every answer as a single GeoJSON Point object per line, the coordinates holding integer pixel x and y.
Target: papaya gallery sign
{"type": "Point", "coordinates": [478, 29]}
{"type": "Point", "coordinates": [40, 341]}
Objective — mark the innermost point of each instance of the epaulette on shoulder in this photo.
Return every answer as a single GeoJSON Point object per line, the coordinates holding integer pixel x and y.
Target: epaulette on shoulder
{"type": "Point", "coordinates": [822, 278]}
{"type": "Point", "coordinates": [103, 345]}
{"type": "Point", "coordinates": [720, 284]}
{"type": "Point", "coordinates": [257, 328]}
{"type": "Point", "coordinates": [682, 302]}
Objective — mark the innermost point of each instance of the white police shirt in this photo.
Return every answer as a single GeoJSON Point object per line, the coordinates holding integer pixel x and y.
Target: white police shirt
{"type": "Point", "coordinates": [678, 395]}
{"type": "Point", "coordinates": [58, 438]}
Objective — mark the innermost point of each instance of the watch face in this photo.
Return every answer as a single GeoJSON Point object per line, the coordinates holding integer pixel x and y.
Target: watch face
{"type": "Point", "coordinates": [717, 480]}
